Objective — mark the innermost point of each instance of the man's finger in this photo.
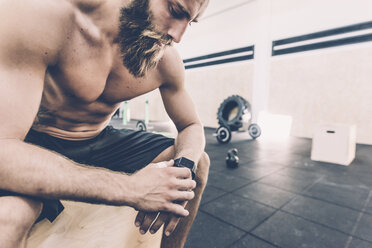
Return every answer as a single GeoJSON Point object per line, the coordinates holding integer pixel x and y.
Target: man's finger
{"type": "Point", "coordinates": [159, 222]}
{"type": "Point", "coordinates": [139, 218]}
{"type": "Point", "coordinates": [181, 172]}
{"type": "Point", "coordinates": [169, 228]}
{"type": "Point", "coordinates": [181, 196]}
{"type": "Point", "coordinates": [186, 185]}
{"type": "Point", "coordinates": [148, 220]}
{"type": "Point", "coordinates": [176, 209]}
{"type": "Point", "coordinates": [172, 222]}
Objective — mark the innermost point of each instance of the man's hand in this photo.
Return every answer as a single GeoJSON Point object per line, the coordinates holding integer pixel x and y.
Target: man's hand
{"type": "Point", "coordinates": [155, 220]}
{"type": "Point", "coordinates": [159, 186]}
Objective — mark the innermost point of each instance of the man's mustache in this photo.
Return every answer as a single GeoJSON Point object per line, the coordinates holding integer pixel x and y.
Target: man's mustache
{"type": "Point", "coordinates": [158, 37]}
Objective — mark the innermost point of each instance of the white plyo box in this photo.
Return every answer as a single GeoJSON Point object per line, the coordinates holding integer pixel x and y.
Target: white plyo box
{"type": "Point", "coordinates": [334, 143]}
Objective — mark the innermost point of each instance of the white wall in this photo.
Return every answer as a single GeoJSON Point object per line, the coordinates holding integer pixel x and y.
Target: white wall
{"type": "Point", "coordinates": [220, 31]}
{"type": "Point", "coordinates": [298, 17]}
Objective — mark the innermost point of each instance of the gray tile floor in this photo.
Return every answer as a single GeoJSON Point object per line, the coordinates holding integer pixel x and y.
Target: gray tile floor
{"type": "Point", "coordinates": [278, 197]}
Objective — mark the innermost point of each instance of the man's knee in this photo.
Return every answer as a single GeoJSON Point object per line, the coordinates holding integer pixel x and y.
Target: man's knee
{"type": "Point", "coordinates": [17, 215]}
{"type": "Point", "coordinates": [203, 170]}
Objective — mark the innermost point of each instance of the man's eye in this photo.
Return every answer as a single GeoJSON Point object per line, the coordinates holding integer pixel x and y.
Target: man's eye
{"type": "Point", "coordinates": [176, 14]}
{"type": "Point", "coordinates": [194, 21]}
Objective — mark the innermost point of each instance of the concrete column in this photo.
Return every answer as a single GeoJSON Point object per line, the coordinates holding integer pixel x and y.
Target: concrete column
{"type": "Point", "coordinates": [260, 94]}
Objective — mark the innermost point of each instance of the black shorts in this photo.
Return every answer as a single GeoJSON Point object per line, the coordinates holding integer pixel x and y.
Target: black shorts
{"type": "Point", "coordinates": [122, 150]}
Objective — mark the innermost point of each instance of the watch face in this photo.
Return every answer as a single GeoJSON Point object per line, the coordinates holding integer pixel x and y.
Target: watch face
{"type": "Point", "coordinates": [184, 162]}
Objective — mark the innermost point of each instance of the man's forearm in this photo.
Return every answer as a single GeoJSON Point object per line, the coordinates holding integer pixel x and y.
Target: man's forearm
{"type": "Point", "coordinates": [190, 142]}
{"type": "Point", "coordinates": [31, 170]}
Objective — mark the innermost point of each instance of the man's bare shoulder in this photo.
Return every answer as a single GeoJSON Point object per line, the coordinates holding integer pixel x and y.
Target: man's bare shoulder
{"type": "Point", "coordinates": [35, 27]}
{"type": "Point", "coordinates": [171, 67]}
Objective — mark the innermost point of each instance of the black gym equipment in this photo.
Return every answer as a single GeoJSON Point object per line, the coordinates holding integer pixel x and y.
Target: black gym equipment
{"type": "Point", "coordinates": [254, 130]}
{"type": "Point", "coordinates": [232, 159]}
{"type": "Point", "coordinates": [223, 134]}
{"type": "Point", "coordinates": [141, 126]}
{"type": "Point", "coordinates": [234, 114]}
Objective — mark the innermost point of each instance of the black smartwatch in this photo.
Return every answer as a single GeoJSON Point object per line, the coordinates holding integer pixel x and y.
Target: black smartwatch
{"type": "Point", "coordinates": [184, 162]}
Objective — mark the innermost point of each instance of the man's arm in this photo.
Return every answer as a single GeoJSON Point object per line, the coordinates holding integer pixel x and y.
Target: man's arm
{"type": "Point", "coordinates": [31, 170]}
{"type": "Point", "coordinates": [190, 141]}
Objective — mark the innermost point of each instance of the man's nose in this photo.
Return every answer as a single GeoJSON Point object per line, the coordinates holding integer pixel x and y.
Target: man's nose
{"type": "Point", "coordinates": [177, 29]}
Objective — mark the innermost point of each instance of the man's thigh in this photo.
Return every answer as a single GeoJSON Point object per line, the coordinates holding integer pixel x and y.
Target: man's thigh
{"type": "Point", "coordinates": [128, 150]}
{"type": "Point", "coordinates": [115, 149]}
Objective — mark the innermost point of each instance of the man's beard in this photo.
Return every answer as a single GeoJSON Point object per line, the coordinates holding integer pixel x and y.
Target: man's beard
{"type": "Point", "coordinates": [141, 46]}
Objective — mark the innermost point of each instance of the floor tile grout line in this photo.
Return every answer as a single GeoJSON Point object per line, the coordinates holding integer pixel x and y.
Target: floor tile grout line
{"type": "Point", "coordinates": [336, 204]}
{"type": "Point", "coordinates": [347, 245]}
{"type": "Point", "coordinates": [279, 163]}
{"type": "Point", "coordinates": [247, 198]}
{"type": "Point", "coordinates": [281, 168]}
{"type": "Point", "coordinates": [269, 174]}
{"type": "Point", "coordinates": [323, 225]}
{"type": "Point", "coordinates": [236, 241]}
{"type": "Point", "coordinates": [226, 192]}
{"type": "Point", "coordinates": [223, 221]}
{"type": "Point", "coordinates": [239, 228]}
{"type": "Point", "coordinates": [230, 192]}
{"type": "Point", "coordinates": [255, 180]}
{"type": "Point", "coordinates": [265, 219]}
{"type": "Point", "coordinates": [283, 189]}
{"type": "Point", "coordinates": [275, 245]}
{"type": "Point", "coordinates": [326, 169]}
{"type": "Point", "coordinates": [265, 204]}
{"type": "Point", "coordinates": [282, 164]}
{"type": "Point", "coordinates": [303, 193]}
{"type": "Point", "coordinates": [218, 197]}
{"type": "Point", "coordinates": [259, 238]}
{"type": "Point", "coordinates": [287, 190]}
{"type": "Point", "coordinates": [242, 177]}
{"type": "Point", "coordinates": [296, 166]}
{"type": "Point", "coordinates": [277, 210]}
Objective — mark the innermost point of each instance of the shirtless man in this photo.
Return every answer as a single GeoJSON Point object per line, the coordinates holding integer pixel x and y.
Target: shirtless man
{"type": "Point", "coordinates": [65, 66]}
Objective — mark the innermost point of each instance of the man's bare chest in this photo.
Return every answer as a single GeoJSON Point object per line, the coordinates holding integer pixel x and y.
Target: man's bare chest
{"type": "Point", "coordinates": [97, 74]}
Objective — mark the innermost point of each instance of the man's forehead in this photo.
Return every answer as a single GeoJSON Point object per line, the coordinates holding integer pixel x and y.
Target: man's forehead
{"type": "Point", "coordinates": [195, 8]}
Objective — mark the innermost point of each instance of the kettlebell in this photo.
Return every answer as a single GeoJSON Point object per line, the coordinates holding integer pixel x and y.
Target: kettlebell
{"type": "Point", "coordinates": [232, 159]}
